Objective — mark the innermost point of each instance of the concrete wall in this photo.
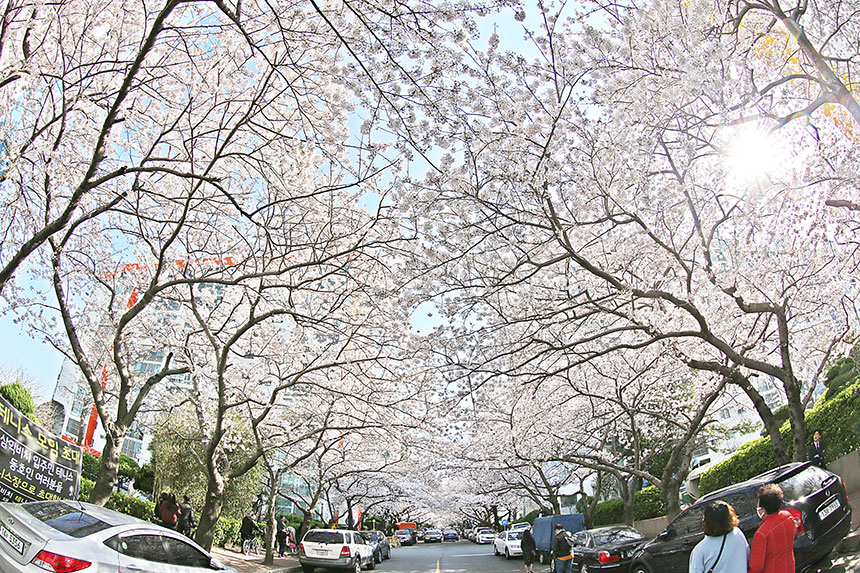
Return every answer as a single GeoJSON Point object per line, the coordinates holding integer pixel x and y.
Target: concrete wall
{"type": "Point", "coordinates": [651, 527]}
{"type": "Point", "coordinates": [848, 468]}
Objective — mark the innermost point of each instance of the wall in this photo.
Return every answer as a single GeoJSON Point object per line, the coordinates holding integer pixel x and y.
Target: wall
{"type": "Point", "coordinates": [848, 468]}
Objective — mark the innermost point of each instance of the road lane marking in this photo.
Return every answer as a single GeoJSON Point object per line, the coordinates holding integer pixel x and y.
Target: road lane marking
{"type": "Point", "coordinates": [438, 563]}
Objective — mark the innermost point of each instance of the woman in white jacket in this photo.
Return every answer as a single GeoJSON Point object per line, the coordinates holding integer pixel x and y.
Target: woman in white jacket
{"type": "Point", "coordinates": [724, 548]}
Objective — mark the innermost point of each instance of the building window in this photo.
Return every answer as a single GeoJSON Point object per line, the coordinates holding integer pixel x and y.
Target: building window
{"type": "Point", "coordinates": [73, 428]}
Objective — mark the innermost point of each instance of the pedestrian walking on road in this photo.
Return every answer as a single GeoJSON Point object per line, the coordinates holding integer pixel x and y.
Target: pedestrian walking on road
{"type": "Point", "coordinates": [724, 548]}
{"type": "Point", "coordinates": [772, 548]}
{"type": "Point", "coordinates": [186, 517]}
{"type": "Point", "coordinates": [561, 550]}
{"type": "Point", "coordinates": [817, 450]}
{"type": "Point", "coordinates": [527, 544]}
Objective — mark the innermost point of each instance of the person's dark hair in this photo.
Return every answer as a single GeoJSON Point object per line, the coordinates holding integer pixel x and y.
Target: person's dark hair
{"type": "Point", "coordinates": [558, 526]}
{"type": "Point", "coordinates": [770, 497]}
{"type": "Point", "coordinates": [185, 498]}
{"type": "Point", "coordinates": [719, 518]}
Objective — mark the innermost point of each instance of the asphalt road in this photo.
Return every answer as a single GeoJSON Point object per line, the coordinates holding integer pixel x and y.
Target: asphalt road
{"type": "Point", "coordinates": [451, 557]}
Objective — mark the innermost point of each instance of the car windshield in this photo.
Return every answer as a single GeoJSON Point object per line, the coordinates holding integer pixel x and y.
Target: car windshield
{"type": "Point", "coordinates": [432, 532]}
{"type": "Point", "coordinates": [324, 537]}
{"type": "Point", "coordinates": [513, 535]}
{"type": "Point", "coordinates": [616, 536]}
{"type": "Point", "coordinates": [65, 517]}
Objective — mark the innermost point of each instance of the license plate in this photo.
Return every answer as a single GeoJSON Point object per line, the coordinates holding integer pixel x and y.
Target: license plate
{"type": "Point", "coordinates": [828, 509]}
{"type": "Point", "coordinates": [12, 539]}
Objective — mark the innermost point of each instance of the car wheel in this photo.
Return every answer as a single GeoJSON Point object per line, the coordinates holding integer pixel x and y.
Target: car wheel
{"type": "Point", "coordinates": [371, 563]}
{"type": "Point", "coordinates": [583, 568]}
{"type": "Point", "coordinates": [356, 565]}
{"type": "Point", "coordinates": [640, 568]}
{"type": "Point", "coordinates": [552, 565]}
{"type": "Point", "coordinates": [495, 550]}
{"type": "Point", "coordinates": [507, 553]}
{"type": "Point", "coordinates": [307, 569]}
{"type": "Point", "coordinates": [542, 558]}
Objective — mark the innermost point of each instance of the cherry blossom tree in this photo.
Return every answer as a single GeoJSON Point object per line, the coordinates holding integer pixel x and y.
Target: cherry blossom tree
{"type": "Point", "coordinates": [591, 208]}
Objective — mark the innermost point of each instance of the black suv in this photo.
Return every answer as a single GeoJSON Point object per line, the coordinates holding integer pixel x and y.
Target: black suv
{"type": "Point", "coordinates": [812, 494]}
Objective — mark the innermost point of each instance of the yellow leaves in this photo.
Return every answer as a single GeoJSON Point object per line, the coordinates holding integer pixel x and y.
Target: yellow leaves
{"type": "Point", "coordinates": [842, 120]}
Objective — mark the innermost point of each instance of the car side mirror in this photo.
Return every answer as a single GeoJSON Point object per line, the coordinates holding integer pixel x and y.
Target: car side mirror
{"type": "Point", "coordinates": [215, 564]}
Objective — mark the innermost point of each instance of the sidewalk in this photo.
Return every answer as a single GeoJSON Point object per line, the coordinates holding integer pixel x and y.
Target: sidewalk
{"type": "Point", "coordinates": [254, 563]}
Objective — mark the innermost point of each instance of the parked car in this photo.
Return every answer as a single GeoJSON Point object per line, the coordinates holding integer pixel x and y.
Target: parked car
{"type": "Point", "coordinates": [72, 536]}
{"type": "Point", "coordinates": [432, 536]}
{"type": "Point", "coordinates": [507, 543]}
{"type": "Point", "coordinates": [336, 549]}
{"type": "Point", "coordinates": [405, 536]}
{"type": "Point", "coordinates": [419, 535]}
{"type": "Point", "coordinates": [485, 536]}
{"type": "Point", "coordinates": [813, 495]}
{"type": "Point", "coordinates": [449, 534]}
{"type": "Point", "coordinates": [379, 544]}
{"type": "Point", "coordinates": [520, 526]}
{"type": "Point", "coordinates": [604, 549]}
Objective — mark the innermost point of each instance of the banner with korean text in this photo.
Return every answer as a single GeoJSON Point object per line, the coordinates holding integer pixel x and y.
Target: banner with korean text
{"type": "Point", "coordinates": [35, 464]}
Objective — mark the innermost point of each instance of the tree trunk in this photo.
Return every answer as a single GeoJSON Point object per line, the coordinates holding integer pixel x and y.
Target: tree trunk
{"type": "Point", "coordinates": [556, 505]}
{"type": "Point", "coordinates": [672, 497]}
{"type": "Point", "coordinates": [108, 468]}
{"type": "Point", "coordinates": [272, 526]}
{"type": "Point", "coordinates": [349, 524]}
{"type": "Point", "coordinates": [797, 419]}
{"type": "Point", "coordinates": [306, 522]}
{"type": "Point", "coordinates": [211, 512]}
{"type": "Point", "coordinates": [770, 424]}
{"type": "Point", "coordinates": [628, 488]}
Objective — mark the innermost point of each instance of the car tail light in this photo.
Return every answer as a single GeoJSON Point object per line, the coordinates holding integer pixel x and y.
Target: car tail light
{"type": "Point", "coordinates": [344, 551]}
{"type": "Point", "coordinates": [844, 488]}
{"type": "Point", "coordinates": [798, 519]}
{"type": "Point", "coordinates": [607, 557]}
{"type": "Point", "coordinates": [301, 548]}
{"type": "Point", "coordinates": [58, 563]}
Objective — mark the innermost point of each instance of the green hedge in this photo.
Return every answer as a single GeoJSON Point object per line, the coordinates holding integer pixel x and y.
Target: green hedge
{"type": "Point", "coordinates": [837, 419]}
{"type": "Point", "coordinates": [139, 508]}
{"type": "Point", "coordinates": [648, 504]}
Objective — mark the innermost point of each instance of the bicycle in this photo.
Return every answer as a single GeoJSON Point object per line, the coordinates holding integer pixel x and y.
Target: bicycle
{"type": "Point", "coordinates": [251, 545]}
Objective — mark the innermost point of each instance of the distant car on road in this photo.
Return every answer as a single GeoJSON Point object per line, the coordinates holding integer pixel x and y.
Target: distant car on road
{"type": "Point", "coordinates": [520, 526]}
{"type": "Point", "coordinates": [605, 549]}
{"type": "Point", "coordinates": [507, 543]}
{"type": "Point", "coordinates": [405, 536]}
{"type": "Point", "coordinates": [449, 534]}
{"type": "Point", "coordinates": [816, 497]}
{"type": "Point", "coordinates": [335, 549]}
{"type": "Point", "coordinates": [75, 536]}
{"type": "Point", "coordinates": [432, 536]}
{"type": "Point", "coordinates": [485, 536]}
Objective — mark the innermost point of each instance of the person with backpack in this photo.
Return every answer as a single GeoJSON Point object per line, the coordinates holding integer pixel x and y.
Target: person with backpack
{"type": "Point", "coordinates": [724, 548]}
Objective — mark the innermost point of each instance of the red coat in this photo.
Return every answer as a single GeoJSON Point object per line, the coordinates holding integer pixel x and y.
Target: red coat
{"type": "Point", "coordinates": [772, 549]}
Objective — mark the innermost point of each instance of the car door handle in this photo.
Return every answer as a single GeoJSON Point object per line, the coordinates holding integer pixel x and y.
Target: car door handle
{"type": "Point", "coordinates": [132, 569]}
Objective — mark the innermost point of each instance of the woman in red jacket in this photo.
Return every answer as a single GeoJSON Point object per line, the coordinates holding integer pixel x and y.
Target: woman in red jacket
{"type": "Point", "coordinates": [772, 549]}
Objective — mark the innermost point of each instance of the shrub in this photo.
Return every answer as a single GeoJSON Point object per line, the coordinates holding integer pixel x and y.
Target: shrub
{"type": "Point", "coordinates": [129, 505]}
{"type": "Point", "coordinates": [649, 503]}
{"type": "Point", "coordinates": [227, 532]}
{"type": "Point", "coordinates": [20, 398]}
{"type": "Point", "coordinates": [839, 424]}
{"type": "Point", "coordinates": [608, 512]}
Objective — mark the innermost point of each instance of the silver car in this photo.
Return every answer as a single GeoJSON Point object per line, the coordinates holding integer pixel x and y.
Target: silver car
{"type": "Point", "coordinates": [76, 536]}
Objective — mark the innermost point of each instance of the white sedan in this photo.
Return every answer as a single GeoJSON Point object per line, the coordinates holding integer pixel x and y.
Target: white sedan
{"type": "Point", "coordinates": [485, 536]}
{"type": "Point", "coordinates": [74, 536]}
{"type": "Point", "coordinates": [508, 544]}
